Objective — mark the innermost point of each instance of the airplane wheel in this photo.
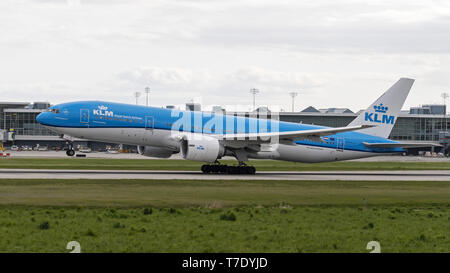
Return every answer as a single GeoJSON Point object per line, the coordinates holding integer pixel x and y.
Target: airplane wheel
{"type": "Point", "coordinates": [241, 170]}
{"type": "Point", "coordinates": [70, 152]}
{"type": "Point", "coordinates": [232, 170]}
{"type": "Point", "coordinates": [206, 168]}
{"type": "Point", "coordinates": [222, 168]}
{"type": "Point", "coordinates": [214, 168]}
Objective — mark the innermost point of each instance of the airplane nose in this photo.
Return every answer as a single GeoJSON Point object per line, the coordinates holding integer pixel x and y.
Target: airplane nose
{"type": "Point", "coordinates": [42, 117]}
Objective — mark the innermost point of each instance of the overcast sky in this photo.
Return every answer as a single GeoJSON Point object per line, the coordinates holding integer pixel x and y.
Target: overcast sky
{"type": "Point", "coordinates": [335, 53]}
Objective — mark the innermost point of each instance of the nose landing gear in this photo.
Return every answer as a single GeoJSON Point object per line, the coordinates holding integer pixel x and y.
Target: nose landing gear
{"type": "Point", "coordinates": [70, 151]}
{"type": "Point", "coordinates": [69, 142]}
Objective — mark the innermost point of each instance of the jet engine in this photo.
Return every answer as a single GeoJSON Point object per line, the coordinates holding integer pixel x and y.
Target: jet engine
{"type": "Point", "coordinates": [201, 148]}
{"type": "Point", "coordinates": [154, 151]}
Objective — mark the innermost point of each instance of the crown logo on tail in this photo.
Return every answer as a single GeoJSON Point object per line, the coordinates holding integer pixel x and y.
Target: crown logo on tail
{"type": "Point", "coordinates": [380, 108]}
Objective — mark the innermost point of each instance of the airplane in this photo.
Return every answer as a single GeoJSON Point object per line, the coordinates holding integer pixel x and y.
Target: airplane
{"type": "Point", "coordinates": [208, 137]}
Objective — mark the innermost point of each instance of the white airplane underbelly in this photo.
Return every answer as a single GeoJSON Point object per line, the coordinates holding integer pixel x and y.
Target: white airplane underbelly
{"type": "Point", "coordinates": [314, 154]}
{"type": "Point", "coordinates": [308, 154]}
{"type": "Point", "coordinates": [131, 136]}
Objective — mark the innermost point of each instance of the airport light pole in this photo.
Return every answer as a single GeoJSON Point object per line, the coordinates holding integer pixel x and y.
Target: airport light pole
{"type": "Point", "coordinates": [293, 95]}
{"type": "Point", "coordinates": [445, 96]}
{"type": "Point", "coordinates": [254, 91]}
{"type": "Point", "coordinates": [147, 91]}
{"type": "Point", "coordinates": [137, 95]}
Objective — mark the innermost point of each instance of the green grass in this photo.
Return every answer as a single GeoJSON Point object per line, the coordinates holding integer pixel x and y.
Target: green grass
{"type": "Point", "coordinates": [255, 229]}
{"type": "Point", "coordinates": [223, 216]}
{"type": "Point", "coordinates": [222, 193]}
{"type": "Point", "coordinates": [164, 164]}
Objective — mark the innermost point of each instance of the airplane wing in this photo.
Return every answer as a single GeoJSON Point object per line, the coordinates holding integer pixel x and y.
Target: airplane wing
{"type": "Point", "coordinates": [401, 145]}
{"type": "Point", "coordinates": [292, 135]}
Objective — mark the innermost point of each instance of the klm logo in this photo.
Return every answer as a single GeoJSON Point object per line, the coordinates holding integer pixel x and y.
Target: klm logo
{"type": "Point", "coordinates": [103, 111]}
{"type": "Point", "coordinates": [380, 115]}
{"type": "Point", "coordinates": [200, 147]}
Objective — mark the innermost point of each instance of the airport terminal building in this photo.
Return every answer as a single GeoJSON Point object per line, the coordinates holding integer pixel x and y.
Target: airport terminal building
{"type": "Point", "coordinates": [423, 123]}
{"type": "Point", "coordinates": [18, 126]}
{"type": "Point", "coordinates": [426, 123]}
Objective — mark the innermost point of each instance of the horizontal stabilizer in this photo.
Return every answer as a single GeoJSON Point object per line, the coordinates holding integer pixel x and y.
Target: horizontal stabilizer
{"type": "Point", "coordinates": [401, 145]}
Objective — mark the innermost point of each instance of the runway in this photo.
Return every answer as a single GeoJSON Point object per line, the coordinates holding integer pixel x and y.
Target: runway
{"type": "Point", "coordinates": [428, 175]}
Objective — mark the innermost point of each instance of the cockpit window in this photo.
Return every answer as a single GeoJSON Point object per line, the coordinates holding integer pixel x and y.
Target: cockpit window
{"type": "Point", "coordinates": [55, 110]}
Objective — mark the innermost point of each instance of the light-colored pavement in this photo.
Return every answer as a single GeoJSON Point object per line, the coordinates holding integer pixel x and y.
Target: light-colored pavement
{"type": "Point", "coordinates": [307, 175]}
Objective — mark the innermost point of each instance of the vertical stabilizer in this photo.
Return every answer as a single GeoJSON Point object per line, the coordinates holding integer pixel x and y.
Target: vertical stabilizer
{"type": "Point", "coordinates": [384, 111]}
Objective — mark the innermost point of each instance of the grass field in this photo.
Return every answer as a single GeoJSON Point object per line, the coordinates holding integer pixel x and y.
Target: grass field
{"type": "Point", "coordinates": [223, 216]}
{"type": "Point", "coordinates": [244, 229]}
{"type": "Point", "coordinates": [217, 193]}
{"type": "Point", "coordinates": [164, 164]}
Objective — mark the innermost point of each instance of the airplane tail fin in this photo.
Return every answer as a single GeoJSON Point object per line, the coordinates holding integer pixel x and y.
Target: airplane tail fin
{"type": "Point", "coordinates": [384, 111]}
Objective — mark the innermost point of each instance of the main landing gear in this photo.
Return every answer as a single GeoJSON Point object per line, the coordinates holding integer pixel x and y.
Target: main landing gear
{"type": "Point", "coordinates": [224, 169]}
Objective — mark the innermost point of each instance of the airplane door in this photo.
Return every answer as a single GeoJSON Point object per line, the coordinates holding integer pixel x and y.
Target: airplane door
{"type": "Point", "coordinates": [340, 144]}
{"type": "Point", "coordinates": [84, 116]}
{"type": "Point", "coordinates": [149, 124]}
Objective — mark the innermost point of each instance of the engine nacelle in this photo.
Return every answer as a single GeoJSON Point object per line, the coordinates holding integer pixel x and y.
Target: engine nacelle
{"type": "Point", "coordinates": [201, 148]}
{"type": "Point", "coordinates": [153, 151]}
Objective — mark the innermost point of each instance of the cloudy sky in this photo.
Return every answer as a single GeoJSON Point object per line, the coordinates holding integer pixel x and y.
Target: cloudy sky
{"type": "Point", "coordinates": [334, 53]}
